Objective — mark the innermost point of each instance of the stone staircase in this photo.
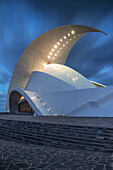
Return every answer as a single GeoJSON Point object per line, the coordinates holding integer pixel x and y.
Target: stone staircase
{"type": "Point", "coordinates": [57, 135]}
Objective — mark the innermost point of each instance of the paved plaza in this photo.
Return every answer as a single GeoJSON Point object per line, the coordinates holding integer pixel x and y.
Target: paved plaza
{"type": "Point", "coordinates": [26, 156]}
{"type": "Point", "coordinates": [19, 156]}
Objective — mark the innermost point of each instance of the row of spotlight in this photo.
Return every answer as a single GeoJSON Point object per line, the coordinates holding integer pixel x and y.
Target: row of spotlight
{"type": "Point", "coordinates": [42, 102]}
{"type": "Point", "coordinates": [58, 43]}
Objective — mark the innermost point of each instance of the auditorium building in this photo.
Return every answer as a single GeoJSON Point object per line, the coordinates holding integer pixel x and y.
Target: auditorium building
{"type": "Point", "coordinates": [42, 84]}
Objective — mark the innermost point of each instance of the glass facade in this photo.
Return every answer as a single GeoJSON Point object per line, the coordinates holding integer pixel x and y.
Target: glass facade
{"type": "Point", "coordinates": [24, 107]}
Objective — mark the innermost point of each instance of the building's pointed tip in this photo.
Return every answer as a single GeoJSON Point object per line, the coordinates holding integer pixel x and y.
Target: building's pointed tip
{"type": "Point", "coordinates": [105, 33]}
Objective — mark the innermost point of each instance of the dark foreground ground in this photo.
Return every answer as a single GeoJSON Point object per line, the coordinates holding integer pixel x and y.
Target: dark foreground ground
{"type": "Point", "coordinates": [25, 156]}
{"type": "Point", "coordinates": [19, 156]}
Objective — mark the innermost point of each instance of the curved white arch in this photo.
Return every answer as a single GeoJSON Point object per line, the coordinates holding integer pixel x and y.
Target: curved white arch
{"type": "Point", "coordinates": [15, 96]}
{"type": "Point", "coordinates": [36, 54]}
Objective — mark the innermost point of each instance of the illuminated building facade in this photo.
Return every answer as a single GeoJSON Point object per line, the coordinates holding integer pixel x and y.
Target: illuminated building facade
{"type": "Point", "coordinates": [41, 83]}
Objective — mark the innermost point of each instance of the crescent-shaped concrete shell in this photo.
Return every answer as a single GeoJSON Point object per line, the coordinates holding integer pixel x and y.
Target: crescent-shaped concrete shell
{"type": "Point", "coordinates": [50, 47]}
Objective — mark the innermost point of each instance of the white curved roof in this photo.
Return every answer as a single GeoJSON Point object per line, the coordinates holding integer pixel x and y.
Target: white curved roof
{"type": "Point", "coordinates": [42, 83]}
{"type": "Point", "coordinates": [68, 75]}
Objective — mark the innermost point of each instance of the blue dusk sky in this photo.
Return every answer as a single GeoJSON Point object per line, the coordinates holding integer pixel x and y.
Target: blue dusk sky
{"type": "Point", "coordinates": [21, 21]}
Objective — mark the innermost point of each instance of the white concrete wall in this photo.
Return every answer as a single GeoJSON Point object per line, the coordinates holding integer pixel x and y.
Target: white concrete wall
{"type": "Point", "coordinates": [95, 102]}
{"type": "Point", "coordinates": [68, 75]}
{"type": "Point", "coordinates": [76, 102]}
{"type": "Point", "coordinates": [43, 83]}
{"type": "Point", "coordinates": [62, 98]}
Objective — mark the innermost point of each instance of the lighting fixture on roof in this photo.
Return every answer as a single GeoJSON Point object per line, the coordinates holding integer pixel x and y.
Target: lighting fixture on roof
{"type": "Point", "coordinates": [53, 58]}
{"type": "Point", "coordinates": [32, 98]}
{"type": "Point", "coordinates": [72, 32]}
{"type": "Point", "coordinates": [48, 57]}
{"type": "Point", "coordinates": [63, 44]}
{"type": "Point", "coordinates": [64, 37]}
{"type": "Point", "coordinates": [66, 42]}
{"type": "Point", "coordinates": [61, 40]}
{"type": "Point", "coordinates": [57, 51]}
{"type": "Point", "coordinates": [73, 79]}
{"type": "Point", "coordinates": [44, 103]}
{"type": "Point", "coordinates": [58, 43]}
{"type": "Point", "coordinates": [55, 46]}
{"type": "Point", "coordinates": [70, 39]}
{"type": "Point", "coordinates": [48, 109]}
{"type": "Point", "coordinates": [45, 64]}
{"type": "Point", "coordinates": [50, 53]}
{"type": "Point", "coordinates": [74, 36]}
{"type": "Point", "coordinates": [55, 54]}
{"type": "Point", "coordinates": [68, 34]}
{"type": "Point", "coordinates": [53, 49]}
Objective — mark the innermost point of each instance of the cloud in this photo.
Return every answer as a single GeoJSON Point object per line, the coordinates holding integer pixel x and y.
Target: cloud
{"type": "Point", "coordinates": [2, 101]}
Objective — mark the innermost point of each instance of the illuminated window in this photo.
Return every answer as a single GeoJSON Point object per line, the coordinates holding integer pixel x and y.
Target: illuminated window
{"type": "Point", "coordinates": [22, 98]}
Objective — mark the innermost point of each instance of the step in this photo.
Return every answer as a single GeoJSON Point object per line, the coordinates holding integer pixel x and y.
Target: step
{"type": "Point", "coordinates": [75, 137]}
{"type": "Point", "coordinates": [91, 143]}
